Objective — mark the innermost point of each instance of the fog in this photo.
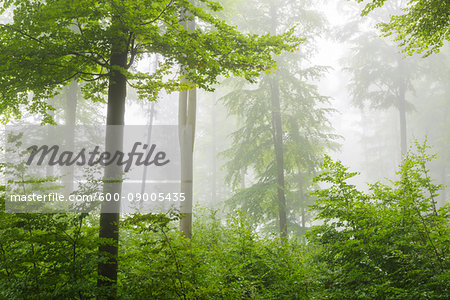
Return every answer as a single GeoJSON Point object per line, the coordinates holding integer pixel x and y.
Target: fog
{"type": "Point", "coordinates": [358, 129]}
{"type": "Point", "coordinates": [256, 149]}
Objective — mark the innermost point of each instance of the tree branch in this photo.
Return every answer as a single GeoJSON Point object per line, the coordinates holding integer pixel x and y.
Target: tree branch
{"type": "Point", "coordinates": [88, 57]}
{"type": "Point", "coordinates": [133, 54]}
{"type": "Point", "coordinates": [22, 33]}
{"type": "Point", "coordinates": [159, 16]}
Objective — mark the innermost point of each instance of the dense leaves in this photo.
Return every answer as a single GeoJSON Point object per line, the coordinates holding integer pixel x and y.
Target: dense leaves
{"type": "Point", "coordinates": [48, 43]}
{"type": "Point", "coordinates": [303, 115]}
{"type": "Point", "coordinates": [423, 26]}
{"type": "Point", "coordinates": [390, 243]}
{"type": "Point", "coordinates": [221, 261]}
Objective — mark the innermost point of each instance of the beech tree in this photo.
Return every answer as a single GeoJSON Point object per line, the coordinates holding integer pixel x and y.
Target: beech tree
{"type": "Point", "coordinates": [283, 130]}
{"type": "Point", "coordinates": [423, 25]}
{"type": "Point", "coordinates": [381, 78]}
{"type": "Point", "coordinates": [41, 52]}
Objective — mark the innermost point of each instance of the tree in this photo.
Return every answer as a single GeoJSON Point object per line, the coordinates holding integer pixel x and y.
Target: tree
{"type": "Point", "coordinates": [41, 53]}
{"type": "Point", "coordinates": [423, 27]}
{"type": "Point", "coordinates": [282, 130]}
{"type": "Point", "coordinates": [187, 118]}
{"type": "Point", "coordinates": [432, 100]}
{"type": "Point", "coordinates": [213, 127]}
{"type": "Point", "coordinates": [381, 78]}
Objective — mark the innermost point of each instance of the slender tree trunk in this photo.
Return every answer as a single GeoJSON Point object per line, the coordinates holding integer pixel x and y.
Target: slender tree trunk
{"type": "Point", "coordinates": [187, 108]}
{"type": "Point", "coordinates": [402, 114]}
{"type": "Point", "coordinates": [402, 111]}
{"type": "Point", "coordinates": [187, 114]}
{"type": "Point", "coordinates": [444, 160]}
{"type": "Point", "coordinates": [50, 170]}
{"type": "Point", "coordinates": [243, 171]}
{"type": "Point", "coordinates": [444, 182]}
{"type": "Point", "coordinates": [297, 139]}
{"type": "Point", "coordinates": [277, 133]}
{"type": "Point", "coordinates": [214, 155]}
{"type": "Point", "coordinates": [110, 211]}
{"type": "Point", "coordinates": [149, 136]}
{"type": "Point", "coordinates": [303, 204]}
{"type": "Point", "coordinates": [70, 114]}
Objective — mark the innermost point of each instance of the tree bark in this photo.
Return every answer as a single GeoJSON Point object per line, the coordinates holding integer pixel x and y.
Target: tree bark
{"type": "Point", "coordinates": [303, 203]}
{"type": "Point", "coordinates": [277, 134]}
{"type": "Point", "coordinates": [50, 170]}
{"type": "Point", "coordinates": [187, 108]}
{"type": "Point", "coordinates": [402, 114]}
{"type": "Point", "coordinates": [149, 135]}
{"type": "Point", "coordinates": [187, 120]}
{"type": "Point", "coordinates": [297, 139]}
{"type": "Point", "coordinates": [110, 211]}
{"type": "Point", "coordinates": [70, 114]}
{"type": "Point", "coordinates": [149, 138]}
{"type": "Point", "coordinates": [444, 182]}
{"type": "Point", "coordinates": [402, 111]}
{"type": "Point", "coordinates": [214, 155]}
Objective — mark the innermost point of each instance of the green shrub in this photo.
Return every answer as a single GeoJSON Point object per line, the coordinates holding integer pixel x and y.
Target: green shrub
{"type": "Point", "coordinates": [221, 261]}
{"type": "Point", "coordinates": [390, 243]}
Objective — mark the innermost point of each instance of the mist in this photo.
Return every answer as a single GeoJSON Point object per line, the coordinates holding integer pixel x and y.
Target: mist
{"type": "Point", "coordinates": [306, 146]}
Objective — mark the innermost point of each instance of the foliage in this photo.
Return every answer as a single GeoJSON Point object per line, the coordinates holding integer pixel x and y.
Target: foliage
{"type": "Point", "coordinates": [221, 261]}
{"type": "Point", "coordinates": [47, 256]}
{"type": "Point", "coordinates": [53, 256]}
{"type": "Point", "coordinates": [379, 73]}
{"type": "Point", "coordinates": [390, 243]}
{"type": "Point", "coordinates": [422, 27]}
{"type": "Point", "coordinates": [305, 128]}
{"type": "Point", "coordinates": [432, 100]}
{"type": "Point", "coordinates": [49, 43]}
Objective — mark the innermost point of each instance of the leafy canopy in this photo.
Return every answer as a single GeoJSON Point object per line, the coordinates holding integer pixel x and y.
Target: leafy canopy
{"type": "Point", "coordinates": [49, 43]}
{"type": "Point", "coordinates": [423, 27]}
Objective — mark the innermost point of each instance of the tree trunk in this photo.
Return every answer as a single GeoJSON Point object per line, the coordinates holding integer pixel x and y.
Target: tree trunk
{"type": "Point", "coordinates": [402, 114]}
{"type": "Point", "coordinates": [187, 108]}
{"type": "Point", "coordinates": [187, 114]}
{"type": "Point", "coordinates": [214, 155]}
{"type": "Point", "coordinates": [402, 110]}
{"type": "Point", "coordinates": [110, 211]}
{"type": "Point", "coordinates": [303, 203]}
{"type": "Point", "coordinates": [70, 114]}
{"type": "Point", "coordinates": [149, 136]}
{"type": "Point", "coordinates": [277, 133]}
{"type": "Point", "coordinates": [297, 139]}
{"type": "Point", "coordinates": [50, 170]}
{"type": "Point", "coordinates": [444, 182]}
